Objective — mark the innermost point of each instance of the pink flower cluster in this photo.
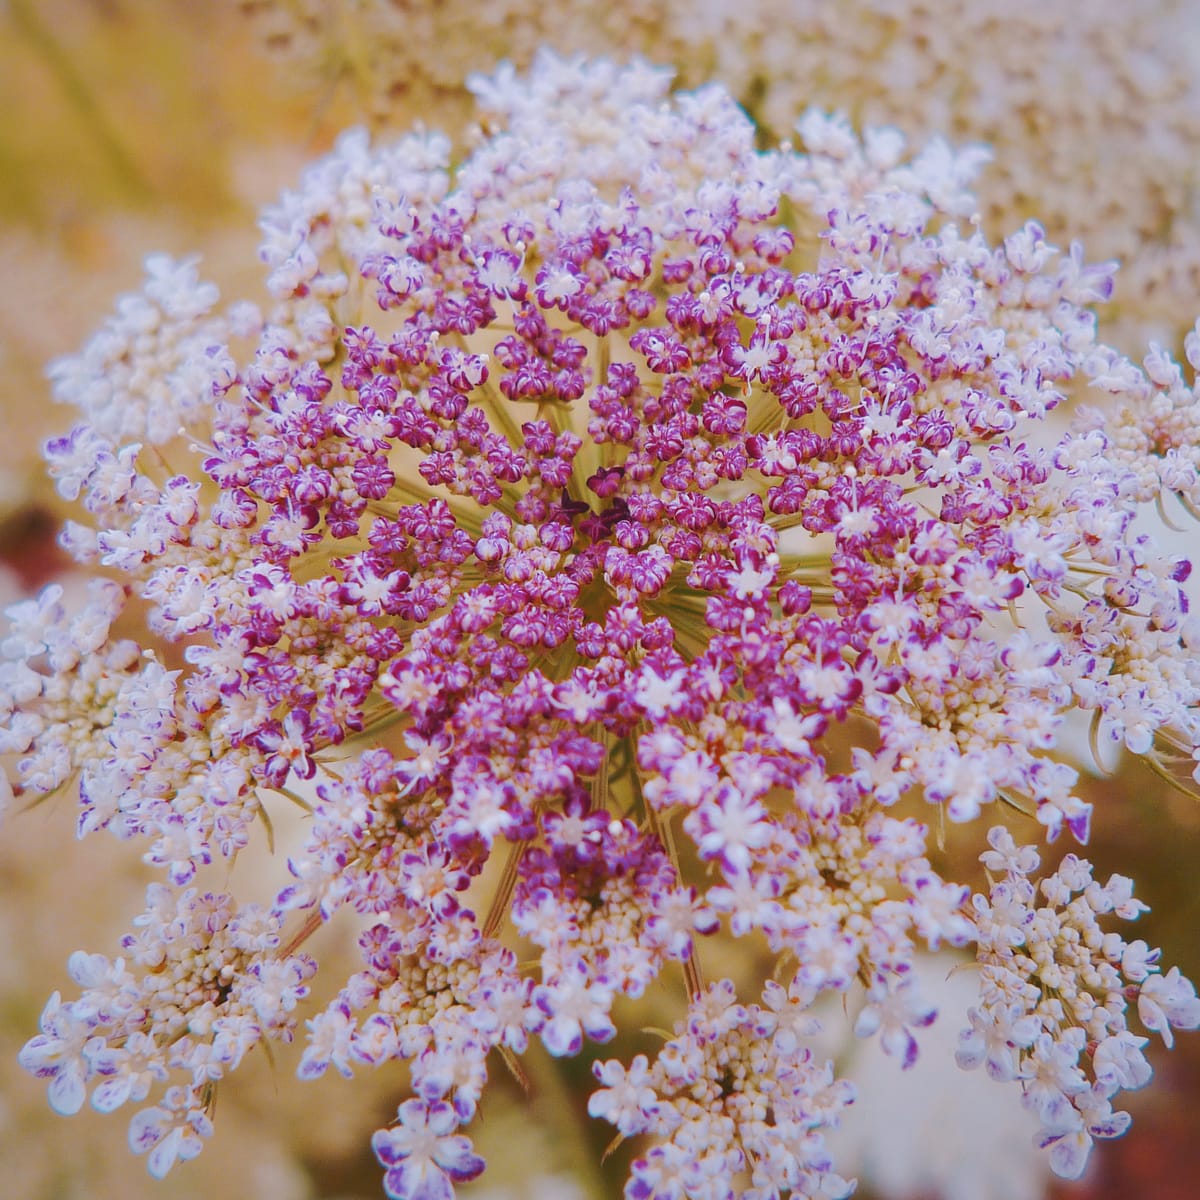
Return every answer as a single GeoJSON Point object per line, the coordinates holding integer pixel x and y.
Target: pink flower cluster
{"type": "Point", "coordinates": [1054, 992]}
{"type": "Point", "coordinates": [606, 543]}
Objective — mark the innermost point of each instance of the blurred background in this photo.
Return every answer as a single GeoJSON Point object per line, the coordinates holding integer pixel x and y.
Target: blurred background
{"type": "Point", "coordinates": [134, 126]}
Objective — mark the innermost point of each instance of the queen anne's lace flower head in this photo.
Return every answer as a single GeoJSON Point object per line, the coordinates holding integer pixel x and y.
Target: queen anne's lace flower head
{"type": "Point", "coordinates": [618, 536]}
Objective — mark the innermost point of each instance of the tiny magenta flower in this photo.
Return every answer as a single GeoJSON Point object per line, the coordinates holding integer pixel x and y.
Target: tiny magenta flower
{"type": "Point", "coordinates": [578, 511]}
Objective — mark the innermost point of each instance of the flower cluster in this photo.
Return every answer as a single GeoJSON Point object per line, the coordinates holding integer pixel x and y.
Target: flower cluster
{"type": "Point", "coordinates": [734, 1091]}
{"type": "Point", "coordinates": [211, 991]}
{"type": "Point", "coordinates": [1054, 995]}
{"type": "Point", "coordinates": [1092, 110]}
{"type": "Point", "coordinates": [609, 544]}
